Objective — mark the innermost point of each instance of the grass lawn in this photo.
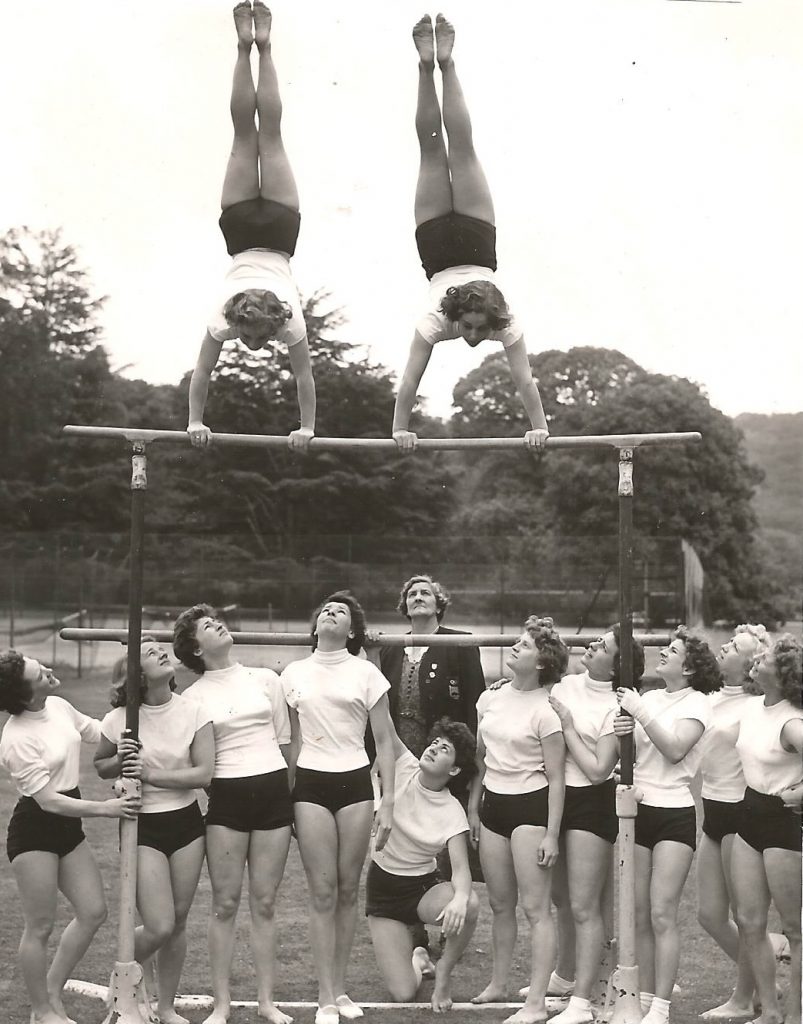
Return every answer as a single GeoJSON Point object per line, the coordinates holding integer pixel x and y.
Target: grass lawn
{"type": "Point", "coordinates": [705, 973]}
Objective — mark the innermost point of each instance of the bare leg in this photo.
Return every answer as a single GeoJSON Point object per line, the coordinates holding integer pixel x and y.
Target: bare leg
{"type": "Point", "coordinates": [36, 874]}
{"type": "Point", "coordinates": [588, 858]}
{"type": "Point", "coordinates": [393, 949]}
{"type": "Point", "coordinates": [645, 940]}
{"type": "Point", "coordinates": [535, 885]}
{"type": "Point", "coordinates": [752, 907]}
{"type": "Point", "coordinates": [433, 192]}
{"type": "Point", "coordinates": [267, 856]}
{"type": "Point", "coordinates": [783, 877]}
{"type": "Point", "coordinates": [185, 869]}
{"type": "Point", "coordinates": [496, 858]}
{"type": "Point", "coordinates": [276, 175]}
{"type": "Point", "coordinates": [317, 842]}
{"type": "Point", "coordinates": [353, 838]}
{"type": "Point", "coordinates": [670, 869]}
{"type": "Point", "coordinates": [429, 907]}
{"type": "Point", "coordinates": [242, 172]}
{"type": "Point", "coordinates": [226, 853]}
{"type": "Point", "coordinates": [470, 192]}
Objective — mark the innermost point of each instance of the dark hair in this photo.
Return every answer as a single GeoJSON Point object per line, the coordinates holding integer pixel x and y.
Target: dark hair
{"type": "Point", "coordinates": [184, 631]}
{"type": "Point", "coordinates": [15, 690]}
{"type": "Point", "coordinates": [442, 598]}
{"type": "Point", "coordinates": [465, 749]}
{"type": "Point", "coordinates": [788, 653]}
{"type": "Point", "coordinates": [638, 658]}
{"type": "Point", "coordinates": [355, 643]}
{"type": "Point", "coordinates": [477, 297]}
{"type": "Point", "coordinates": [256, 307]}
{"type": "Point", "coordinates": [554, 652]}
{"type": "Point", "coordinates": [119, 676]}
{"type": "Point", "coordinates": [700, 662]}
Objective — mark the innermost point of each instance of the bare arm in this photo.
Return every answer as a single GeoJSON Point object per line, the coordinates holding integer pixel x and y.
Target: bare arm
{"type": "Point", "coordinates": [295, 746]}
{"type": "Point", "coordinates": [522, 375]}
{"type": "Point", "coordinates": [596, 764]}
{"type": "Point", "coordinates": [107, 759]}
{"type": "Point", "coordinates": [475, 794]}
{"type": "Point", "coordinates": [202, 758]}
{"type": "Point", "coordinates": [305, 389]}
{"type": "Point", "coordinates": [199, 389]}
{"type": "Point", "coordinates": [554, 767]}
{"type": "Point", "coordinates": [417, 360]}
{"type": "Point", "coordinates": [49, 799]}
{"type": "Point", "coordinates": [382, 728]}
{"type": "Point", "coordinates": [453, 915]}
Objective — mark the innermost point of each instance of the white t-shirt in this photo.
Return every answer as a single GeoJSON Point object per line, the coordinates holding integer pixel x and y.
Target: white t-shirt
{"type": "Point", "coordinates": [593, 706]}
{"type": "Point", "coordinates": [720, 765]}
{"type": "Point", "coordinates": [333, 691]}
{"type": "Point", "coordinates": [665, 784]}
{"type": "Point", "coordinates": [435, 326]}
{"type": "Point", "coordinates": [423, 823]}
{"type": "Point", "coordinates": [768, 768]}
{"type": "Point", "coordinates": [166, 732]}
{"type": "Point", "coordinates": [38, 748]}
{"type": "Point", "coordinates": [263, 270]}
{"type": "Point", "coordinates": [249, 718]}
{"type": "Point", "coordinates": [513, 723]}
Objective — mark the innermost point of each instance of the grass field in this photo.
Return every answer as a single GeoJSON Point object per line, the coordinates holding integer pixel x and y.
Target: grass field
{"type": "Point", "coordinates": [705, 974]}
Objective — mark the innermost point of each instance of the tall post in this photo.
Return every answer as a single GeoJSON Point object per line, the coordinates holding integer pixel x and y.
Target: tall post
{"type": "Point", "coordinates": [626, 983]}
{"type": "Point", "coordinates": [128, 1002]}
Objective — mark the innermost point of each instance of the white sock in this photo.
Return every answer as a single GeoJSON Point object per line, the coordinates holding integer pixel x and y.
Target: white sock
{"type": "Point", "coordinates": [646, 998]}
{"type": "Point", "coordinates": [578, 1003]}
{"type": "Point", "coordinates": [577, 1012]}
{"type": "Point", "coordinates": [659, 1011]}
{"type": "Point", "coordinates": [559, 986]}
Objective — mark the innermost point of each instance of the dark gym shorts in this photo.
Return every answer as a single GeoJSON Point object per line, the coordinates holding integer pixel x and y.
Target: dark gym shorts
{"type": "Point", "coordinates": [396, 896]}
{"type": "Point", "coordinates": [666, 824]}
{"type": "Point", "coordinates": [765, 823]}
{"type": "Point", "coordinates": [168, 831]}
{"type": "Point", "coordinates": [504, 812]}
{"type": "Point", "coordinates": [333, 790]}
{"type": "Point", "coordinates": [260, 224]}
{"type": "Point", "coordinates": [455, 240]}
{"type": "Point", "coordinates": [591, 809]}
{"type": "Point", "coordinates": [721, 818]}
{"type": "Point", "coordinates": [255, 803]}
{"type": "Point", "coordinates": [31, 828]}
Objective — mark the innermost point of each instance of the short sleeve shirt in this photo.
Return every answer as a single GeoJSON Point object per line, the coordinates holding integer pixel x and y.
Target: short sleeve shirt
{"type": "Point", "coordinates": [594, 707]}
{"type": "Point", "coordinates": [435, 326]}
{"type": "Point", "coordinates": [260, 270]}
{"type": "Point", "coordinates": [665, 784]}
{"type": "Point", "coordinates": [513, 725]}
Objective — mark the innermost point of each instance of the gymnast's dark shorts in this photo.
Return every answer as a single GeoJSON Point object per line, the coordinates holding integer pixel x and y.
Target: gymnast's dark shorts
{"type": "Point", "coordinates": [255, 803]}
{"type": "Point", "coordinates": [333, 790]}
{"type": "Point", "coordinates": [396, 896]}
{"type": "Point", "coordinates": [766, 824]}
{"type": "Point", "coordinates": [504, 812]}
{"type": "Point", "coordinates": [260, 224]}
{"type": "Point", "coordinates": [455, 240]}
{"type": "Point", "coordinates": [31, 828]}
{"type": "Point", "coordinates": [169, 831]}
{"type": "Point", "coordinates": [666, 824]}
{"type": "Point", "coordinates": [591, 809]}
{"type": "Point", "coordinates": [720, 818]}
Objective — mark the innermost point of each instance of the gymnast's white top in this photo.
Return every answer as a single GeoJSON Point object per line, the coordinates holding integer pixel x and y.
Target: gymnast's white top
{"type": "Point", "coordinates": [38, 748]}
{"type": "Point", "coordinates": [593, 706]}
{"type": "Point", "coordinates": [665, 784]}
{"type": "Point", "coordinates": [423, 823]}
{"type": "Point", "coordinates": [166, 732]}
{"type": "Point", "coordinates": [513, 723]}
{"type": "Point", "coordinates": [333, 691]}
{"type": "Point", "coordinates": [263, 270]}
{"type": "Point", "coordinates": [768, 768]}
{"type": "Point", "coordinates": [249, 718]}
{"type": "Point", "coordinates": [434, 326]}
{"type": "Point", "coordinates": [721, 767]}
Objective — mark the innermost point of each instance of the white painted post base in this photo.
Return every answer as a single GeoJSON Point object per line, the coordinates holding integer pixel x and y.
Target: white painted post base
{"type": "Point", "coordinates": [602, 992]}
{"type": "Point", "coordinates": [127, 999]}
{"type": "Point", "coordinates": [627, 1009]}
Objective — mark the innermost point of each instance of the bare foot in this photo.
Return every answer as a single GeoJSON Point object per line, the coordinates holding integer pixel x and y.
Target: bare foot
{"type": "Point", "coordinates": [169, 1016]}
{"type": "Point", "coordinates": [54, 999]}
{"type": "Point", "coordinates": [441, 1000]}
{"type": "Point", "coordinates": [219, 1015]}
{"type": "Point", "coordinates": [526, 1016]}
{"type": "Point", "coordinates": [262, 23]}
{"type": "Point", "coordinates": [243, 22]}
{"type": "Point", "coordinates": [444, 39]}
{"type": "Point", "coordinates": [272, 1013]}
{"type": "Point", "coordinates": [491, 994]}
{"type": "Point", "coordinates": [728, 1010]}
{"type": "Point", "coordinates": [424, 40]}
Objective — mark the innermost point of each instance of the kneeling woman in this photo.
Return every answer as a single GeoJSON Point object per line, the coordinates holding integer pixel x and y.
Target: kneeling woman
{"type": "Point", "coordinates": [520, 786]}
{"type": "Point", "coordinates": [332, 696]}
{"type": "Point", "coordinates": [177, 757]}
{"type": "Point", "coordinates": [40, 748]}
{"type": "Point", "coordinates": [404, 887]}
{"type": "Point", "coordinates": [669, 724]}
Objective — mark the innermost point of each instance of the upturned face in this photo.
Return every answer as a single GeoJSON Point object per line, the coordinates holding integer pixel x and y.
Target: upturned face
{"type": "Point", "coordinates": [764, 672]}
{"type": "Point", "coordinates": [439, 758]}
{"type": "Point", "coordinates": [41, 681]}
{"type": "Point", "coordinates": [735, 659]}
{"type": "Point", "coordinates": [474, 328]}
{"type": "Point", "coordinates": [671, 660]}
{"type": "Point", "coordinates": [599, 657]}
{"type": "Point", "coordinates": [211, 637]}
{"type": "Point", "coordinates": [523, 659]}
{"type": "Point", "coordinates": [155, 662]}
{"type": "Point", "coordinates": [334, 622]}
{"type": "Point", "coordinates": [421, 600]}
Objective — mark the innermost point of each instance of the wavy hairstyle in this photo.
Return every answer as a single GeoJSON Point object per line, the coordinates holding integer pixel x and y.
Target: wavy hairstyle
{"type": "Point", "coordinates": [465, 749]}
{"type": "Point", "coordinates": [15, 690]}
{"type": "Point", "coordinates": [442, 599]}
{"type": "Point", "coordinates": [788, 652]}
{"type": "Point", "coordinates": [477, 297]}
{"type": "Point", "coordinates": [638, 658]}
{"type": "Point", "coordinates": [259, 309]}
{"type": "Point", "coordinates": [184, 629]}
{"type": "Point", "coordinates": [761, 642]}
{"type": "Point", "coordinates": [700, 662]}
{"type": "Point", "coordinates": [119, 675]}
{"type": "Point", "coordinates": [554, 654]}
{"type": "Point", "coordinates": [355, 643]}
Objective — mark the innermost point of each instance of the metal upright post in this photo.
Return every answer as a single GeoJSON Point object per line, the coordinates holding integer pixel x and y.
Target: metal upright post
{"type": "Point", "coordinates": [128, 1002]}
{"type": "Point", "coordinates": [626, 983]}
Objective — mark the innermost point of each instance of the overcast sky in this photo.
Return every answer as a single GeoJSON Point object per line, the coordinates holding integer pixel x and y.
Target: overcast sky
{"type": "Point", "coordinates": [645, 156]}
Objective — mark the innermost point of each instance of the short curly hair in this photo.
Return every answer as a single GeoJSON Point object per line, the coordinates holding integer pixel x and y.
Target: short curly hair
{"type": "Point", "coordinates": [788, 652]}
{"type": "Point", "coordinates": [554, 652]}
{"type": "Point", "coordinates": [15, 690]}
{"type": "Point", "coordinates": [699, 662]}
{"type": "Point", "coordinates": [184, 631]}
{"type": "Point", "coordinates": [259, 309]}
{"type": "Point", "coordinates": [477, 297]}
{"type": "Point", "coordinates": [442, 599]}
{"type": "Point", "coordinates": [638, 658]}
{"type": "Point", "coordinates": [761, 642]}
{"type": "Point", "coordinates": [465, 749]}
{"type": "Point", "coordinates": [359, 628]}
{"type": "Point", "coordinates": [117, 694]}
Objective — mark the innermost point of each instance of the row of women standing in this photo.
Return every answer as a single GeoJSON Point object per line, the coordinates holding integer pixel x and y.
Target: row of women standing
{"type": "Point", "coordinates": [541, 808]}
